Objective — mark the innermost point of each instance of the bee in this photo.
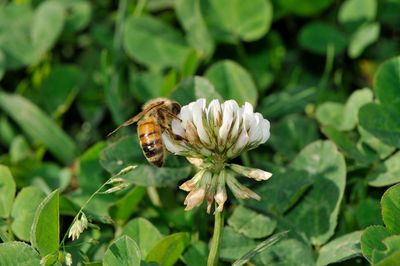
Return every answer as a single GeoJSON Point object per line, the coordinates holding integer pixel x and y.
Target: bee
{"type": "Point", "coordinates": [153, 120]}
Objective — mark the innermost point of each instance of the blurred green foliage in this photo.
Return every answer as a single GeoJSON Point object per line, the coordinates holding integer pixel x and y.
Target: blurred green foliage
{"type": "Point", "coordinates": [325, 73]}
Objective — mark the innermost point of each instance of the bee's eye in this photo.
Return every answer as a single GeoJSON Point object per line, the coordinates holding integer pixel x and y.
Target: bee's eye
{"type": "Point", "coordinates": [176, 108]}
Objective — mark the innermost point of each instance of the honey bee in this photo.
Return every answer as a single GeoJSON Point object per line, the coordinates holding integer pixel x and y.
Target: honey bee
{"type": "Point", "coordinates": [153, 120]}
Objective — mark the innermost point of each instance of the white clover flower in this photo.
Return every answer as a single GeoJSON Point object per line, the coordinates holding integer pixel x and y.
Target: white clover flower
{"type": "Point", "coordinates": [209, 137]}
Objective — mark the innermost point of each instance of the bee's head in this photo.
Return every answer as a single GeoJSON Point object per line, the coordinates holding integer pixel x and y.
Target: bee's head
{"type": "Point", "coordinates": [175, 108]}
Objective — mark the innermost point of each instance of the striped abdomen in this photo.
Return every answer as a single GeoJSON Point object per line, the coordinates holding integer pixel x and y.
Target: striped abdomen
{"type": "Point", "coordinates": [150, 139]}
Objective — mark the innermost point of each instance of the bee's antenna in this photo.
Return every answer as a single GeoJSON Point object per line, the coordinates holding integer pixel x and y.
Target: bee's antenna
{"type": "Point", "coordinates": [115, 130]}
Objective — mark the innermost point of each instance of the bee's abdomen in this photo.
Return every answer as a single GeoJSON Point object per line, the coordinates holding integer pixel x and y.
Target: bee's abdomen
{"type": "Point", "coordinates": [150, 140]}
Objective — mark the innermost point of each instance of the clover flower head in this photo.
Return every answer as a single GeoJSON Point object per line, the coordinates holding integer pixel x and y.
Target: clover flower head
{"type": "Point", "coordinates": [209, 137]}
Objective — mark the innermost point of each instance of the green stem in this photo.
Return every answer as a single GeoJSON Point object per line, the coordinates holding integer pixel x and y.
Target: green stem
{"type": "Point", "coordinates": [214, 249]}
{"type": "Point", "coordinates": [139, 8]}
{"type": "Point", "coordinates": [82, 208]}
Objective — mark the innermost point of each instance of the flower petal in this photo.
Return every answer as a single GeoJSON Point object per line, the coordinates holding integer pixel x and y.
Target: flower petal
{"type": "Point", "coordinates": [194, 198]}
{"type": "Point", "coordinates": [173, 146]}
{"type": "Point", "coordinates": [177, 128]}
{"type": "Point", "coordinates": [265, 125]}
{"type": "Point", "coordinates": [191, 183]}
{"type": "Point", "coordinates": [240, 144]}
{"type": "Point", "coordinates": [240, 191]}
{"type": "Point", "coordinates": [198, 109]}
{"type": "Point", "coordinates": [185, 115]}
{"type": "Point", "coordinates": [221, 196]}
{"type": "Point", "coordinates": [229, 110]}
{"type": "Point", "coordinates": [253, 173]}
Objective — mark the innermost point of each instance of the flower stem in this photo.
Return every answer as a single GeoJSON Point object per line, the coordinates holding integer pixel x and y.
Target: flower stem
{"type": "Point", "coordinates": [98, 191]}
{"type": "Point", "coordinates": [62, 243]}
{"type": "Point", "coordinates": [214, 249]}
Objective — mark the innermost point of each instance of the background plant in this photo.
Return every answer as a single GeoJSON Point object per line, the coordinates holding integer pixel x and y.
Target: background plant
{"type": "Point", "coordinates": [72, 70]}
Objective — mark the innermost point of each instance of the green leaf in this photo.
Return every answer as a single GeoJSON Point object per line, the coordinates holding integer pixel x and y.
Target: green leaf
{"type": "Point", "coordinates": [290, 252]}
{"type": "Point", "coordinates": [344, 117]}
{"type": "Point", "coordinates": [193, 88]}
{"type": "Point", "coordinates": [7, 191]}
{"type": "Point", "coordinates": [20, 150]}
{"type": "Point", "coordinates": [169, 82]}
{"type": "Point", "coordinates": [60, 88]}
{"type": "Point", "coordinates": [388, 84]}
{"type": "Point", "coordinates": [39, 126]}
{"type": "Point", "coordinates": [45, 228]}
{"type": "Point", "coordinates": [365, 36]}
{"type": "Point", "coordinates": [330, 113]}
{"type": "Point", "coordinates": [372, 245]}
{"type": "Point", "coordinates": [123, 251]}
{"type": "Point", "coordinates": [234, 245]}
{"type": "Point", "coordinates": [151, 42]}
{"type": "Point", "coordinates": [48, 23]}
{"type": "Point", "coordinates": [283, 190]}
{"type": "Point", "coordinates": [97, 208]}
{"type": "Point", "coordinates": [373, 142]}
{"type": "Point", "coordinates": [78, 16]}
{"type": "Point", "coordinates": [357, 11]}
{"type": "Point", "coordinates": [305, 7]}
{"type": "Point", "coordinates": [146, 85]}
{"type": "Point", "coordinates": [340, 249]}
{"type": "Point", "coordinates": [292, 100]}
{"type": "Point", "coordinates": [259, 248]}
{"type": "Point", "coordinates": [381, 122]}
{"type": "Point", "coordinates": [231, 20]}
{"type": "Point", "coordinates": [327, 167]}
{"type": "Point", "coordinates": [49, 177]}
{"type": "Point", "coordinates": [144, 233]}
{"type": "Point", "coordinates": [23, 212]}
{"type": "Point", "coordinates": [317, 37]}
{"type": "Point", "coordinates": [393, 252]}
{"type": "Point", "coordinates": [388, 12]}
{"type": "Point", "coordinates": [350, 112]}
{"type": "Point", "coordinates": [7, 131]}
{"type": "Point", "coordinates": [264, 64]}
{"type": "Point", "coordinates": [391, 209]}
{"type": "Point", "coordinates": [126, 151]}
{"type": "Point", "coordinates": [232, 81]}
{"type": "Point", "coordinates": [91, 175]}
{"type": "Point", "coordinates": [196, 255]}
{"type": "Point", "coordinates": [15, 37]}
{"type": "Point", "coordinates": [18, 253]}
{"type": "Point", "coordinates": [368, 212]}
{"type": "Point", "coordinates": [190, 65]}
{"type": "Point", "coordinates": [292, 133]}
{"type": "Point", "coordinates": [169, 249]}
{"type": "Point", "coordinates": [191, 18]}
{"type": "Point", "coordinates": [348, 147]}
{"type": "Point", "coordinates": [123, 208]}
{"type": "Point", "coordinates": [387, 173]}
{"type": "Point", "coordinates": [250, 223]}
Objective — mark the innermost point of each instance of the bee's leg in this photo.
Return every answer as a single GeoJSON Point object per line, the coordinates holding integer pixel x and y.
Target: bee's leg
{"type": "Point", "coordinates": [172, 134]}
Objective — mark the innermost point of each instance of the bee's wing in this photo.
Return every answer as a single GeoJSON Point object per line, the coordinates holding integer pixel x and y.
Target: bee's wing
{"type": "Point", "coordinates": [134, 119]}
